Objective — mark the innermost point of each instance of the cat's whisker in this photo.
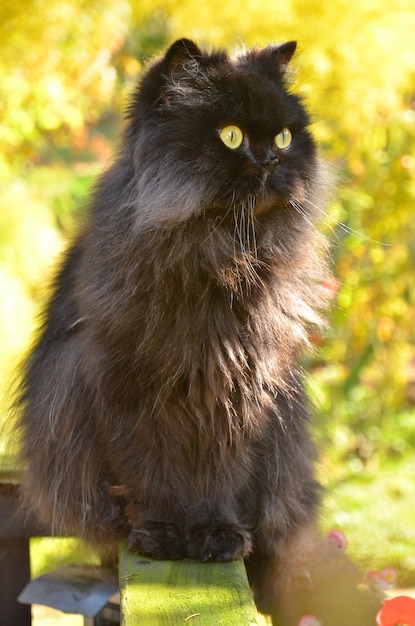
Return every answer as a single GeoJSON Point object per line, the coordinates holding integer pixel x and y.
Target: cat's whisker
{"type": "Point", "coordinates": [344, 227]}
{"type": "Point", "coordinates": [218, 224]}
{"type": "Point", "coordinates": [300, 209]}
{"type": "Point", "coordinates": [254, 247]}
{"type": "Point", "coordinates": [236, 239]}
{"type": "Point", "coordinates": [242, 238]}
{"type": "Point", "coordinates": [323, 215]}
{"type": "Point", "coordinates": [252, 220]}
{"type": "Point", "coordinates": [247, 248]}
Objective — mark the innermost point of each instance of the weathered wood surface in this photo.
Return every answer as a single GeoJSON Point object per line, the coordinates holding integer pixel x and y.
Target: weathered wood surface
{"type": "Point", "coordinates": [161, 593]}
{"type": "Point", "coordinates": [15, 530]}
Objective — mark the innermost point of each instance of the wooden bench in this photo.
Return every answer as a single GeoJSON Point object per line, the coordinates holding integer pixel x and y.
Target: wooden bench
{"type": "Point", "coordinates": [157, 593]}
{"type": "Point", "coordinates": [152, 592]}
{"type": "Point", "coordinates": [15, 533]}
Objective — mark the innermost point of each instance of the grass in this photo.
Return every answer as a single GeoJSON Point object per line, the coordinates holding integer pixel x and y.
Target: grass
{"type": "Point", "coordinates": [375, 507]}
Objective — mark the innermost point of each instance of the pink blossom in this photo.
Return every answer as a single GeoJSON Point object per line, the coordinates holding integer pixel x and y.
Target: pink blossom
{"type": "Point", "coordinates": [337, 539]}
{"type": "Point", "coordinates": [309, 620]}
{"type": "Point", "coordinates": [384, 579]}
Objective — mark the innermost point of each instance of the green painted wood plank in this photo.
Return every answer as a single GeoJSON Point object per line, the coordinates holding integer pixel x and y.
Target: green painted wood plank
{"type": "Point", "coordinates": [160, 593]}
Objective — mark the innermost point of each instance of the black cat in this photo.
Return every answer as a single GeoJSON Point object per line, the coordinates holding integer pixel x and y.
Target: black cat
{"type": "Point", "coordinates": [163, 400]}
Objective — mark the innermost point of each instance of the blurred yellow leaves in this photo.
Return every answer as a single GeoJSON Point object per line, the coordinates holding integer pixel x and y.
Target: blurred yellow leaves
{"type": "Point", "coordinates": [28, 242]}
{"type": "Point", "coordinates": [27, 229]}
{"type": "Point", "coordinates": [56, 66]}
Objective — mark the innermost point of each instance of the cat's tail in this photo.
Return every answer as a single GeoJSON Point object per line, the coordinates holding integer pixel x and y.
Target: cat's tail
{"type": "Point", "coordinates": [313, 577]}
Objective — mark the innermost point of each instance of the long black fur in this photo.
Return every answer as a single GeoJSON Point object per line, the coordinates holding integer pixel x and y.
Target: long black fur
{"type": "Point", "coordinates": [163, 400]}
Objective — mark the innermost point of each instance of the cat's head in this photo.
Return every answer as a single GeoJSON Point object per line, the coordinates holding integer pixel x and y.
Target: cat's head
{"type": "Point", "coordinates": [211, 132]}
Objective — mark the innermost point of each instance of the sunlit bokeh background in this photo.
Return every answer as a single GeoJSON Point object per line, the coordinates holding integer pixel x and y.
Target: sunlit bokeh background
{"type": "Point", "coordinates": [66, 69]}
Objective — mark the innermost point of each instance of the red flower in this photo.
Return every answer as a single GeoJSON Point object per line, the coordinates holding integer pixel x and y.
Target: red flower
{"type": "Point", "coordinates": [396, 611]}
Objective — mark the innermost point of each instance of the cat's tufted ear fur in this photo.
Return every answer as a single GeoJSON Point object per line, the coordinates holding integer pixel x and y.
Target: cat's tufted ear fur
{"type": "Point", "coordinates": [180, 52]}
{"type": "Point", "coordinates": [171, 66]}
{"type": "Point", "coordinates": [277, 57]}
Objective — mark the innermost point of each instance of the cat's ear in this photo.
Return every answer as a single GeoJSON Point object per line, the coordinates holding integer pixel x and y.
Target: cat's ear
{"type": "Point", "coordinates": [277, 58]}
{"type": "Point", "coordinates": [166, 69]}
{"type": "Point", "coordinates": [180, 53]}
{"type": "Point", "coordinates": [285, 53]}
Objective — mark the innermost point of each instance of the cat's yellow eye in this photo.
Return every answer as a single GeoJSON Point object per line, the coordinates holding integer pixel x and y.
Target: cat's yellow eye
{"type": "Point", "coordinates": [232, 137]}
{"type": "Point", "coordinates": [283, 139]}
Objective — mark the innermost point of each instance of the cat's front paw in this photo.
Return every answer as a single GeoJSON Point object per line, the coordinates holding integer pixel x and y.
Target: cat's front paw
{"type": "Point", "coordinates": [218, 543]}
{"type": "Point", "coordinates": [158, 540]}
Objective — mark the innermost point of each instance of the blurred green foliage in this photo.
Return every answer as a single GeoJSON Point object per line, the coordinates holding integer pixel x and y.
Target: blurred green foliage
{"type": "Point", "coordinates": [66, 68]}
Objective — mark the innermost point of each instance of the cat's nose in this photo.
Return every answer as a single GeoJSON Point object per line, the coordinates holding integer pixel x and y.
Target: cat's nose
{"type": "Point", "coordinates": [270, 162]}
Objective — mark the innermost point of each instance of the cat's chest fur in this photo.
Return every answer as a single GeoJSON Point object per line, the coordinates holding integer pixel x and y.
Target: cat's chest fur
{"type": "Point", "coordinates": [205, 331]}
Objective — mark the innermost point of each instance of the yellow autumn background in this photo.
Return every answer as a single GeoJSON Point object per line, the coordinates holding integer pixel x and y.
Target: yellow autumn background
{"type": "Point", "coordinates": [66, 69]}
